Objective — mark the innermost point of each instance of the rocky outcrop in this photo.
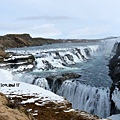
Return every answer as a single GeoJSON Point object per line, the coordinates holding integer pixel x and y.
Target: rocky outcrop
{"type": "Point", "coordinates": [17, 62]}
{"type": "Point", "coordinates": [8, 113]}
{"type": "Point", "coordinates": [43, 109]}
{"type": "Point", "coordinates": [114, 66]}
{"type": "Point", "coordinates": [56, 81]}
{"type": "Point", "coordinates": [22, 40]}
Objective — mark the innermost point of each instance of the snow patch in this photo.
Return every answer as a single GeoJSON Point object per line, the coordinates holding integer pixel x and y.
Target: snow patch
{"type": "Point", "coordinates": [115, 117]}
{"type": "Point", "coordinates": [26, 89]}
{"type": "Point", "coordinates": [116, 97]}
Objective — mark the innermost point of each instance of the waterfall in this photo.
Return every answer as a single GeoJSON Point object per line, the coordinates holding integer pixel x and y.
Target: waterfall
{"type": "Point", "coordinates": [59, 58]}
{"type": "Point", "coordinates": [27, 78]}
{"type": "Point", "coordinates": [63, 58]}
{"type": "Point", "coordinates": [95, 100]}
{"type": "Point", "coordinates": [85, 97]}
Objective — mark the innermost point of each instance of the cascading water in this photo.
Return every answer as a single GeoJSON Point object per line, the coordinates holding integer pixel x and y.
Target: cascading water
{"type": "Point", "coordinates": [84, 97]}
{"type": "Point", "coordinates": [91, 91]}
{"type": "Point", "coordinates": [59, 58]}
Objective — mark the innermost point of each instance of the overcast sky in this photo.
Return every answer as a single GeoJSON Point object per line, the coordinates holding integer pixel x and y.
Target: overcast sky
{"type": "Point", "coordinates": [61, 18]}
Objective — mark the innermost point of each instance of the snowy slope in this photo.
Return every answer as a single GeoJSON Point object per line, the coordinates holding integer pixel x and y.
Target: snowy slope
{"type": "Point", "coordinates": [13, 88]}
{"type": "Point", "coordinates": [115, 117]}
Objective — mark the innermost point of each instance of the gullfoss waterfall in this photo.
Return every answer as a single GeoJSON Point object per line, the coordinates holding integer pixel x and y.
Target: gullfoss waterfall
{"type": "Point", "coordinates": [91, 91]}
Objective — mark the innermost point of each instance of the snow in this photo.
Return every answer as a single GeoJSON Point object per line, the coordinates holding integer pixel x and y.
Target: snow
{"type": "Point", "coordinates": [69, 110]}
{"type": "Point", "coordinates": [23, 67]}
{"type": "Point", "coordinates": [17, 57]}
{"type": "Point", "coordinates": [115, 117]}
{"type": "Point", "coordinates": [26, 89]}
{"type": "Point", "coordinates": [116, 97]}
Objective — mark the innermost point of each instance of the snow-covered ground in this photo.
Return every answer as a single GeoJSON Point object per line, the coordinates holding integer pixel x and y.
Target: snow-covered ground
{"type": "Point", "coordinates": [12, 88]}
{"type": "Point", "coordinates": [115, 117]}
{"type": "Point", "coordinates": [18, 89]}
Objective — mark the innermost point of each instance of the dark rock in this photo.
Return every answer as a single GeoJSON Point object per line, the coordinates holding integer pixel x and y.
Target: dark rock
{"type": "Point", "coordinates": [50, 80]}
{"type": "Point", "coordinates": [13, 61]}
{"type": "Point", "coordinates": [70, 75]}
{"type": "Point", "coordinates": [114, 67]}
{"type": "Point", "coordinates": [55, 82]}
{"type": "Point", "coordinates": [70, 57]}
{"type": "Point", "coordinates": [61, 57]}
{"type": "Point", "coordinates": [79, 51]}
{"type": "Point", "coordinates": [87, 51]}
{"type": "Point", "coordinates": [48, 65]}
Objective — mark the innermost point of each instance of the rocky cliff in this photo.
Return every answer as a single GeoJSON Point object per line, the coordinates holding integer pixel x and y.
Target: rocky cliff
{"type": "Point", "coordinates": [22, 40]}
{"type": "Point", "coordinates": [114, 66]}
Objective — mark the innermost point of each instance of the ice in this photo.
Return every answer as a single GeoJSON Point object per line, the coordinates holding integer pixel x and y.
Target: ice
{"type": "Point", "coordinates": [25, 89]}
{"type": "Point", "coordinates": [115, 117]}
{"type": "Point", "coordinates": [116, 97]}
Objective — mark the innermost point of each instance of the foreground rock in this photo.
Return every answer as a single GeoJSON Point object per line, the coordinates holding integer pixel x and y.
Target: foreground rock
{"type": "Point", "coordinates": [48, 110]}
{"type": "Point", "coordinates": [7, 113]}
{"type": "Point", "coordinates": [114, 67]}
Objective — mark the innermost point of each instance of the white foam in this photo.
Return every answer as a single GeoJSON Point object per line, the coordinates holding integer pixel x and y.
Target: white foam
{"type": "Point", "coordinates": [84, 97]}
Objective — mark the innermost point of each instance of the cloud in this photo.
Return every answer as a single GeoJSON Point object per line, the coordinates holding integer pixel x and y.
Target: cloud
{"type": "Point", "coordinates": [88, 32]}
{"type": "Point", "coordinates": [45, 30]}
{"type": "Point", "coordinates": [45, 18]}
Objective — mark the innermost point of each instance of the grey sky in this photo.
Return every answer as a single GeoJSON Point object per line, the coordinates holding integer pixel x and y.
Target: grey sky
{"type": "Point", "coordinates": [61, 18]}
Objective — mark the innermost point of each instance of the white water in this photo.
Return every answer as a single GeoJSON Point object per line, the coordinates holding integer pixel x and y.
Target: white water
{"type": "Point", "coordinates": [84, 97]}
{"type": "Point", "coordinates": [27, 78]}
{"type": "Point", "coordinates": [58, 58]}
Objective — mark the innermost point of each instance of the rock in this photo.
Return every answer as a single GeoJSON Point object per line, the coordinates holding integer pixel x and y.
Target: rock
{"type": "Point", "coordinates": [70, 75]}
{"type": "Point", "coordinates": [70, 57]}
{"type": "Point", "coordinates": [22, 40]}
{"type": "Point", "coordinates": [7, 113]}
{"type": "Point", "coordinates": [79, 51]}
{"type": "Point", "coordinates": [56, 81]}
{"type": "Point", "coordinates": [114, 67]}
{"type": "Point", "coordinates": [50, 80]}
{"type": "Point", "coordinates": [87, 52]}
{"type": "Point", "coordinates": [18, 61]}
{"type": "Point", "coordinates": [48, 65]}
{"type": "Point", "coordinates": [43, 109]}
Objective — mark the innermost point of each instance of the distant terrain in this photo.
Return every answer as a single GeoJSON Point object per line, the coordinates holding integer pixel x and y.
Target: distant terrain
{"type": "Point", "coordinates": [22, 40]}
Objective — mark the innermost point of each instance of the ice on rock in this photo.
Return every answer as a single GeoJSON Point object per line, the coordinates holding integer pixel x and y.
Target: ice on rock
{"type": "Point", "coordinates": [116, 97]}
